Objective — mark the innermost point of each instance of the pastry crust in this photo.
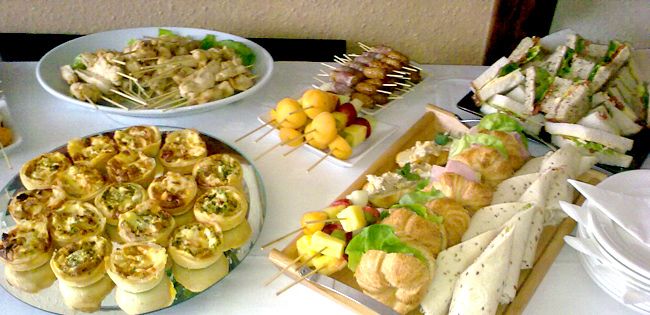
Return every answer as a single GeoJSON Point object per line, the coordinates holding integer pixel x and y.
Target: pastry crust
{"type": "Point", "coordinates": [455, 218]}
{"type": "Point", "coordinates": [26, 246]}
{"type": "Point", "coordinates": [81, 263]}
{"type": "Point", "coordinates": [493, 166]}
{"type": "Point", "coordinates": [131, 166]}
{"type": "Point", "coordinates": [415, 229]}
{"type": "Point", "coordinates": [86, 299]}
{"type": "Point", "coordinates": [471, 195]}
{"type": "Point", "coordinates": [137, 267]}
{"type": "Point", "coordinates": [181, 150]}
{"type": "Point", "coordinates": [145, 139]}
{"type": "Point", "coordinates": [40, 172]}
{"type": "Point", "coordinates": [173, 192]}
{"type": "Point", "coordinates": [94, 151]}
{"type": "Point", "coordinates": [238, 236]}
{"type": "Point", "coordinates": [30, 281]}
{"type": "Point", "coordinates": [225, 206]}
{"type": "Point", "coordinates": [80, 182]}
{"type": "Point", "coordinates": [517, 152]}
{"type": "Point", "coordinates": [218, 170]}
{"type": "Point", "coordinates": [197, 280]}
{"type": "Point", "coordinates": [118, 198]}
{"type": "Point", "coordinates": [196, 245]}
{"type": "Point", "coordinates": [185, 218]}
{"type": "Point", "coordinates": [146, 223]}
{"type": "Point", "coordinates": [36, 204]}
{"type": "Point", "coordinates": [75, 220]}
{"type": "Point", "coordinates": [161, 296]}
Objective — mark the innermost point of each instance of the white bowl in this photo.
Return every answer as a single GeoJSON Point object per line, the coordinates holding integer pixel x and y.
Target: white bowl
{"type": "Point", "coordinates": [48, 74]}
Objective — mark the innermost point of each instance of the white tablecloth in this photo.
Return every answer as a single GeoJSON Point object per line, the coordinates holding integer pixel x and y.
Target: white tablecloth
{"type": "Point", "coordinates": [46, 122]}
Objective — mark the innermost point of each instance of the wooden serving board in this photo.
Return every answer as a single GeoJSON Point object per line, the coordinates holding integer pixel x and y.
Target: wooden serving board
{"type": "Point", "coordinates": [433, 121]}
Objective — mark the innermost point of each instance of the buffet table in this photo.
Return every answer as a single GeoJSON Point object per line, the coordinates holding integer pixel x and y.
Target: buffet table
{"type": "Point", "coordinates": [46, 122]}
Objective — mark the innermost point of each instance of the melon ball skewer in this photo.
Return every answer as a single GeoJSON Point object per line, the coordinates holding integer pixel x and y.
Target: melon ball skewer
{"type": "Point", "coordinates": [288, 136]}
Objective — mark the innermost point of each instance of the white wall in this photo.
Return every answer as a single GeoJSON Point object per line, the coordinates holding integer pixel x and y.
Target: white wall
{"type": "Point", "coordinates": [603, 20]}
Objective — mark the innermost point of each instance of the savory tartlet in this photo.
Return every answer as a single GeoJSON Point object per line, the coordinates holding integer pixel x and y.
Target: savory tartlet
{"type": "Point", "coordinates": [218, 170]}
{"type": "Point", "coordinates": [237, 236]}
{"type": "Point", "coordinates": [131, 166]}
{"type": "Point", "coordinates": [75, 220]}
{"type": "Point", "coordinates": [30, 281]}
{"type": "Point", "coordinates": [161, 296]}
{"type": "Point", "coordinates": [89, 298]}
{"type": "Point", "coordinates": [196, 245]}
{"type": "Point", "coordinates": [93, 151]}
{"type": "Point", "coordinates": [80, 182]}
{"type": "Point", "coordinates": [174, 192]}
{"type": "Point", "coordinates": [225, 206]}
{"type": "Point", "coordinates": [146, 223]}
{"type": "Point", "coordinates": [119, 198]}
{"type": "Point", "coordinates": [137, 267]}
{"type": "Point", "coordinates": [26, 246]}
{"type": "Point", "coordinates": [40, 172]}
{"type": "Point", "coordinates": [197, 280]}
{"type": "Point", "coordinates": [145, 139]}
{"type": "Point", "coordinates": [181, 150]}
{"type": "Point", "coordinates": [81, 263]}
{"type": "Point", "coordinates": [35, 204]}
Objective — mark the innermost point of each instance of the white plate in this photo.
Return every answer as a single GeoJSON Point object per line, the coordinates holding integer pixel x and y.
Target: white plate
{"type": "Point", "coordinates": [11, 124]}
{"type": "Point", "coordinates": [48, 75]}
{"type": "Point", "coordinates": [614, 240]}
{"type": "Point", "coordinates": [379, 134]}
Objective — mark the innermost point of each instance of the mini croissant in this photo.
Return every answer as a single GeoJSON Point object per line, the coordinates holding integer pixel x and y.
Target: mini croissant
{"type": "Point", "coordinates": [471, 195]}
{"type": "Point", "coordinates": [415, 229]}
{"type": "Point", "coordinates": [493, 166]}
{"type": "Point", "coordinates": [456, 218]}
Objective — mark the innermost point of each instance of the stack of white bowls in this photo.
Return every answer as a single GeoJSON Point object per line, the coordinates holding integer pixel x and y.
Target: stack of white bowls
{"type": "Point", "coordinates": [616, 261]}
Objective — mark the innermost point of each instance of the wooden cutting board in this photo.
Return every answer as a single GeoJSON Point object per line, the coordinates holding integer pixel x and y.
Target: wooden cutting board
{"type": "Point", "coordinates": [437, 120]}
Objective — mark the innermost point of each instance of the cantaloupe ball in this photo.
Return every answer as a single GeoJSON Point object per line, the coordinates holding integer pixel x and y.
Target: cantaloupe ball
{"type": "Point", "coordinates": [316, 101]}
{"type": "Point", "coordinates": [289, 113]}
{"type": "Point", "coordinates": [287, 134]}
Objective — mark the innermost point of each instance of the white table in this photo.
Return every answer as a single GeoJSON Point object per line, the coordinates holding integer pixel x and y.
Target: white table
{"type": "Point", "coordinates": [46, 122]}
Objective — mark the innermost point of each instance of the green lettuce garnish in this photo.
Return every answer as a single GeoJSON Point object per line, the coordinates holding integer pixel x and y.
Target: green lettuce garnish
{"type": "Point", "coordinates": [590, 145]}
{"type": "Point", "coordinates": [442, 139]}
{"type": "Point", "coordinates": [78, 63]}
{"type": "Point", "coordinates": [593, 72]}
{"type": "Point", "coordinates": [503, 122]}
{"type": "Point", "coordinates": [507, 69]}
{"type": "Point", "coordinates": [245, 53]}
{"type": "Point", "coordinates": [543, 81]}
{"type": "Point", "coordinates": [612, 48]}
{"type": "Point", "coordinates": [483, 139]}
{"type": "Point", "coordinates": [164, 32]}
{"type": "Point", "coordinates": [405, 172]}
{"type": "Point", "coordinates": [377, 237]}
{"type": "Point", "coordinates": [532, 53]}
{"type": "Point", "coordinates": [567, 60]}
{"type": "Point", "coordinates": [420, 197]}
{"type": "Point", "coordinates": [208, 42]}
{"type": "Point", "coordinates": [580, 45]}
{"type": "Point", "coordinates": [642, 90]}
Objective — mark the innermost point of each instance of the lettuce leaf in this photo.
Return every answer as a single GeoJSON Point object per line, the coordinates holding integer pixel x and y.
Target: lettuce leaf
{"type": "Point", "coordinates": [208, 42]}
{"type": "Point", "coordinates": [593, 72]}
{"type": "Point", "coordinates": [590, 145]}
{"type": "Point", "coordinates": [543, 81]}
{"type": "Point", "coordinates": [503, 122]}
{"type": "Point", "coordinates": [507, 69]}
{"type": "Point", "coordinates": [442, 139]}
{"type": "Point", "coordinates": [164, 31]}
{"type": "Point", "coordinates": [78, 63]}
{"type": "Point", "coordinates": [580, 45]}
{"type": "Point", "coordinates": [405, 172]}
{"type": "Point", "coordinates": [245, 53]}
{"type": "Point", "coordinates": [532, 53]}
{"type": "Point", "coordinates": [377, 237]}
{"type": "Point", "coordinates": [612, 48]}
{"type": "Point", "coordinates": [565, 67]}
{"type": "Point", "coordinates": [642, 91]}
{"type": "Point", "coordinates": [482, 139]}
{"type": "Point", "coordinates": [420, 197]}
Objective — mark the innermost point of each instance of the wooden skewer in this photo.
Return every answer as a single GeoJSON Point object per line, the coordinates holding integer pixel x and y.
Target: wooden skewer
{"type": "Point", "coordinates": [389, 84]}
{"type": "Point", "coordinates": [323, 75]}
{"type": "Point", "coordinates": [319, 161]}
{"type": "Point", "coordinates": [181, 104]}
{"type": "Point", "coordinates": [416, 67]}
{"type": "Point", "coordinates": [281, 271]}
{"type": "Point", "coordinates": [281, 238]}
{"type": "Point", "coordinates": [148, 59]}
{"type": "Point", "coordinates": [397, 76]}
{"type": "Point", "coordinates": [351, 55]}
{"type": "Point", "coordinates": [119, 62]}
{"type": "Point", "coordinates": [385, 92]}
{"type": "Point", "coordinates": [401, 72]}
{"type": "Point", "coordinates": [291, 151]}
{"type": "Point", "coordinates": [299, 280]}
{"type": "Point", "coordinates": [281, 121]}
{"type": "Point", "coordinates": [4, 155]}
{"type": "Point", "coordinates": [122, 94]}
{"type": "Point", "coordinates": [319, 80]}
{"type": "Point", "coordinates": [91, 102]}
{"type": "Point", "coordinates": [315, 86]}
{"type": "Point", "coordinates": [325, 221]}
{"type": "Point", "coordinates": [254, 130]}
{"type": "Point", "coordinates": [281, 143]}
{"type": "Point", "coordinates": [403, 84]}
{"type": "Point", "coordinates": [364, 46]}
{"type": "Point", "coordinates": [340, 62]}
{"type": "Point", "coordinates": [410, 69]}
{"type": "Point", "coordinates": [297, 267]}
{"type": "Point", "coordinates": [329, 66]}
{"type": "Point", "coordinates": [114, 103]}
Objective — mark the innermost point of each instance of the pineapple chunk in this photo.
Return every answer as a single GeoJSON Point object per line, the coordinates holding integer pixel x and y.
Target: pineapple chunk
{"type": "Point", "coordinates": [330, 245]}
{"type": "Point", "coordinates": [305, 250]}
{"type": "Point", "coordinates": [352, 218]}
{"type": "Point", "coordinates": [333, 211]}
{"type": "Point", "coordinates": [329, 265]}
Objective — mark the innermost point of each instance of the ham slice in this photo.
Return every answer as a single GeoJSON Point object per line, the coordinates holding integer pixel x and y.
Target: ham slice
{"type": "Point", "coordinates": [456, 167]}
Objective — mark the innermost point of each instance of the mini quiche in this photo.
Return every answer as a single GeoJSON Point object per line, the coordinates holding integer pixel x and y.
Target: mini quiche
{"type": "Point", "coordinates": [181, 150]}
{"type": "Point", "coordinates": [86, 299]}
{"type": "Point", "coordinates": [26, 246]}
{"type": "Point", "coordinates": [131, 166]}
{"type": "Point", "coordinates": [197, 280]}
{"type": "Point", "coordinates": [137, 267]}
{"type": "Point", "coordinates": [174, 192]}
{"type": "Point", "coordinates": [35, 204]}
{"type": "Point", "coordinates": [225, 206]}
{"type": "Point", "coordinates": [41, 172]}
{"type": "Point", "coordinates": [119, 198]}
{"type": "Point", "coordinates": [196, 245]}
{"type": "Point", "coordinates": [218, 170]}
{"type": "Point", "coordinates": [94, 151]}
{"type": "Point", "coordinates": [161, 296]}
{"type": "Point", "coordinates": [145, 139]}
{"type": "Point", "coordinates": [30, 281]}
{"type": "Point", "coordinates": [80, 182]}
{"type": "Point", "coordinates": [146, 223]}
{"type": "Point", "coordinates": [74, 221]}
{"type": "Point", "coordinates": [81, 263]}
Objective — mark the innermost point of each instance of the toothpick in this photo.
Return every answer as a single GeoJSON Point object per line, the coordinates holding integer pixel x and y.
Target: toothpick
{"type": "Point", "coordinates": [281, 121]}
{"type": "Point", "coordinates": [281, 238]}
{"type": "Point", "coordinates": [410, 69]}
{"type": "Point", "coordinates": [291, 151]}
{"type": "Point", "coordinates": [414, 66]}
{"type": "Point", "coordinates": [122, 94]}
{"type": "Point", "coordinates": [91, 101]}
{"type": "Point", "coordinates": [119, 62]}
{"type": "Point", "coordinates": [385, 92]}
{"type": "Point", "coordinates": [114, 102]}
{"type": "Point", "coordinates": [319, 80]}
{"type": "Point", "coordinates": [319, 161]}
{"type": "Point", "coordinates": [396, 76]}
{"type": "Point", "coordinates": [401, 72]}
{"type": "Point", "coordinates": [325, 221]}
{"type": "Point", "coordinates": [329, 66]}
{"type": "Point", "coordinates": [181, 104]}
{"type": "Point", "coordinates": [403, 84]}
{"type": "Point", "coordinates": [315, 86]}
{"type": "Point", "coordinates": [281, 271]}
{"type": "Point", "coordinates": [277, 145]}
{"type": "Point", "coordinates": [299, 280]}
{"type": "Point", "coordinates": [323, 75]}
{"type": "Point", "coordinates": [4, 155]}
{"type": "Point", "coordinates": [364, 46]}
{"type": "Point", "coordinates": [254, 130]}
{"type": "Point", "coordinates": [389, 84]}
